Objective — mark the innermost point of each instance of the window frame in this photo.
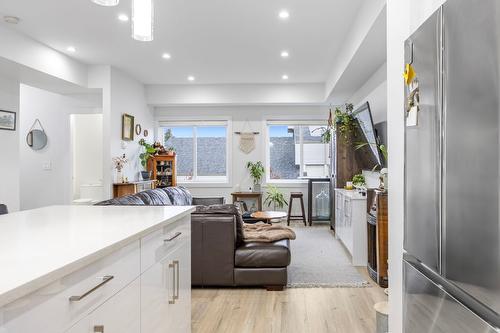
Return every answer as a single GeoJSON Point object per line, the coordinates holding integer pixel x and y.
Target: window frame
{"type": "Point", "coordinates": [201, 181]}
{"type": "Point", "coordinates": [267, 140]}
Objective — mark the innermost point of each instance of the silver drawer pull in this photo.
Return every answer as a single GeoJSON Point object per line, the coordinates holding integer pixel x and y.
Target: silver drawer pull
{"type": "Point", "coordinates": [172, 265]}
{"type": "Point", "coordinates": [177, 234]}
{"type": "Point", "coordinates": [176, 295]}
{"type": "Point", "coordinates": [105, 279]}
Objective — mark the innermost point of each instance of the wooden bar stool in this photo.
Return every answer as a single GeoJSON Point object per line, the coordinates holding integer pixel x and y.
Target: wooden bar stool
{"type": "Point", "coordinates": [296, 195]}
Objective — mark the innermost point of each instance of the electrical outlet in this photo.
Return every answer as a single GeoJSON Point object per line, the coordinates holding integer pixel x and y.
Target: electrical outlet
{"type": "Point", "coordinates": [47, 165]}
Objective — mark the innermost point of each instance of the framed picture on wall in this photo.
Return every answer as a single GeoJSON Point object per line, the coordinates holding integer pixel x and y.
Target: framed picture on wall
{"type": "Point", "coordinates": [7, 120]}
{"type": "Point", "coordinates": [127, 127]}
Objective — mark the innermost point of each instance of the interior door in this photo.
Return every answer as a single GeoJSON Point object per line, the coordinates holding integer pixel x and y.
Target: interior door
{"type": "Point", "coordinates": [471, 255]}
{"type": "Point", "coordinates": [422, 149]}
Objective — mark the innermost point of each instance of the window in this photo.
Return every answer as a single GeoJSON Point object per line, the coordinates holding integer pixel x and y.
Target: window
{"type": "Point", "coordinates": [296, 151]}
{"type": "Point", "coordinates": [201, 150]}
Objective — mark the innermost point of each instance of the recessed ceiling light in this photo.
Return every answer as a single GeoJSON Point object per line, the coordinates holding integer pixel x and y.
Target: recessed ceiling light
{"type": "Point", "coordinates": [191, 78]}
{"type": "Point", "coordinates": [284, 77]}
{"type": "Point", "coordinates": [123, 17]}
{"type": "Point", "coordinates": [71, 49]}
{"type": "Point", "coordinates": [285, 54]}
{"type": "Point", "coordinates": [284, 14]}
{"type": "Point", "coordinates": [11, 19]}
{"type": "Point", "coordinates": [166, 56]}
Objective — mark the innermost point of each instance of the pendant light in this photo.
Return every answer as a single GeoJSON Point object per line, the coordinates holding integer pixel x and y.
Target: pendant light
{"type": "Point", "coordinates": [107, 3]}
{"type": "Point", "coordinates": [142, 20]}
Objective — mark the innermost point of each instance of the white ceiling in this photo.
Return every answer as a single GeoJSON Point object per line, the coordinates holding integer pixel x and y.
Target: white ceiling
{"type": "Point", "coordinates": [217, 41]}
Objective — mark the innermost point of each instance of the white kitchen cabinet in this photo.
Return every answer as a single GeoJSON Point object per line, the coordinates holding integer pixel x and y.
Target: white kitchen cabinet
{"type": "Point", "coordinates": [166, 286]}
{"type": "Point", "coordinates": [113, 283]}
{"type": "Point", "coordinates": [121, 313]}
{"type": "Point", "coordinates": [350, 224]}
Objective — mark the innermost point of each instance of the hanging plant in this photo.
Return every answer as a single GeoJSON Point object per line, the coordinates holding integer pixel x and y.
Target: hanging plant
{"type": "Point", "coordinates": [326, 132]}
{"type": "Point", "coordinates": [345, 123]}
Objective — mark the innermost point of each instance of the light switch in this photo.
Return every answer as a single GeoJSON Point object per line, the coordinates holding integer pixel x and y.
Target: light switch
{"type": "Point", "coordinates": [46, 165]}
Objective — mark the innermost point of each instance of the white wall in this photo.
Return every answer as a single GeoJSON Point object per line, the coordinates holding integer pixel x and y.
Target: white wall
{"type": "Point", "coordinates": [38, 186]}
{"type": "Point", "coordinates": [87, 150]}
{"type": "Point", "coordinates": [400, 25]}
{"type": "Point", "coordinates": [127, 96]}
{"type": "Point", "coordinates": [9, 146]}
{"type": "Point", "coordinates": [374, 91]}
{"type": "Point", "coordinates": [256, 115]}
{"type": "Point", "coordinates": [204, 94]}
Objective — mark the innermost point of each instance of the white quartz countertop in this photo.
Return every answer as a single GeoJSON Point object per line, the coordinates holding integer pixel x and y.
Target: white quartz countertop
{"type": "Point", "coordinates": [40, 246]}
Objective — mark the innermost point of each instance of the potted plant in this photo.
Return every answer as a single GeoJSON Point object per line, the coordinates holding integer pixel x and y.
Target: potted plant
{"type": "Point", "coordinates": [149, 150]}
{"type": "Point", "coordinates": [257, 173]}
{"type": "Point", "coordinates": [275, 197]}
{"type": "Point", "coordinates": [358, 180]}
{"type": "Point", "coordinates": [171, 151]}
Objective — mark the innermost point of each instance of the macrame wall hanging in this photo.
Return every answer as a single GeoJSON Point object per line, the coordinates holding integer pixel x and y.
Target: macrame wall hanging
{"type": "Point", "coordinates": [247, 138]}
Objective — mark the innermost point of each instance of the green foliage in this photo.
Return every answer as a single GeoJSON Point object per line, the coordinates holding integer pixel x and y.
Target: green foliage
{"type": "Point", "coordinates": [381, 148]}
{"type": "Point", "coordinates": [358, 180]}
{"type": "Point", "coordinates": [275, 197]}
{"type": "Point", "coordinates": [168, 135]}
{"type": "Point", "coordinates": [345, 122]}
{"type": "Point", "coordinates": [149, 150]}
{"type": "Point", "coordinates": [256, 171]}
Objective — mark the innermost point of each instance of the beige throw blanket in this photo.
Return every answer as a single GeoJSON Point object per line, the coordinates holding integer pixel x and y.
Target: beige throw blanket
{"type": "Point", "coordinates": [266, 233]}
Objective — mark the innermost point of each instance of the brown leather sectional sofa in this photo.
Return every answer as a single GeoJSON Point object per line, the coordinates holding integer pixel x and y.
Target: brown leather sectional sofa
{"type": "Point", "coordinates": [219, 256]}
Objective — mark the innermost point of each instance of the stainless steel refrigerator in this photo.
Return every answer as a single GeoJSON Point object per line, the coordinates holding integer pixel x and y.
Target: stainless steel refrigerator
{"type": "Point", "coordinates": [451, 264]}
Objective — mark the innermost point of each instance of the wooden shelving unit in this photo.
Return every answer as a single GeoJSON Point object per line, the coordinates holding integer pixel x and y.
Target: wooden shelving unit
{"type": "Point", "coordinates": [163, 170]}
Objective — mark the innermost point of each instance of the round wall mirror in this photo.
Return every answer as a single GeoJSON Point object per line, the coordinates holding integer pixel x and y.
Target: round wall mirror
{"type": "Point", "coordinates": [36, 139]}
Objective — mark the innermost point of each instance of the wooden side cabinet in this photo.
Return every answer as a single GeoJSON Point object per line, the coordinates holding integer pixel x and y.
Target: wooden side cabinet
{"type": "Point", "coordinates": [378, 248]}
{"type": "Point", "coordinates": [121, 189]}
{"type": "Point", "coordinates": [163, 170]}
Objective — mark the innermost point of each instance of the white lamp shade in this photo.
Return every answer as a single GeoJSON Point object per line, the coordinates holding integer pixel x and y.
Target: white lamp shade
{"type": "Point", "coordinates": [107, 2]}
{"type": "Point", "coordinates": [142, 20]}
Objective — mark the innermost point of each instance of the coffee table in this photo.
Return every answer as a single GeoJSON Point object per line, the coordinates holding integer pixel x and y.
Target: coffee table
{"type": "Point", "coordinates": [267, 216]}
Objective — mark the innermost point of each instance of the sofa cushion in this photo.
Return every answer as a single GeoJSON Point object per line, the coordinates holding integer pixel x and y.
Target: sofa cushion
{"type": "Point", "coordinates": [225, 209]}
{"type": "Point", "coordinates": [179, 195]}
{"type": "Point", "coordinates": [276, 254]}
{"type": "Point", "coordinates": [128, 200]}
{"type": "Point", "coordinates": [156, 197]}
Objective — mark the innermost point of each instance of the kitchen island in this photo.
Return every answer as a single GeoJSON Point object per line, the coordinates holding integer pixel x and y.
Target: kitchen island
{"type": "Point", "coordinates": [95, 269]}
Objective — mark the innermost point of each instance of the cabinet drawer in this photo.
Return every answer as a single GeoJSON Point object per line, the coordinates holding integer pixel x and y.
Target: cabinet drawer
{"type": "Point", "coordinates": [158, 244]}
{"type": "Point", "coordinates": [50, 308]}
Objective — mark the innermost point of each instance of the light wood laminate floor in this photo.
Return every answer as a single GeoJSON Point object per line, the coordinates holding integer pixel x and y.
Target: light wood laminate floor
{"type": "Point", "coordinates": [314, 310]}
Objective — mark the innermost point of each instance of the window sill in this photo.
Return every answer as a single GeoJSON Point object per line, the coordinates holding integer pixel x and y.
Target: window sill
{"type": "Point", "coordinates": [204, 184]}
{"type": "Point", "coordinates": [287, 183]}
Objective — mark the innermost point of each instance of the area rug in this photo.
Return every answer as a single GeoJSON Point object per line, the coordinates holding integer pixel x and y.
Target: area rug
{"type": "Point", "coordinates": [320, 261]}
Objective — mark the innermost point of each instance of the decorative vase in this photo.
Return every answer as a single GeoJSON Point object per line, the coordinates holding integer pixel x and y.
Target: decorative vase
{"type": "Point", "coordinates": [145, 175]}
{"type": "Point", "coordinates": [119, 176]}
{"type": "Point", "coordinates": [256, 187]}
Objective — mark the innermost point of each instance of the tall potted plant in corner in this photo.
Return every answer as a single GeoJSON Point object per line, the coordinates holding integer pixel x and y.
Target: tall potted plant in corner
{"type": "Point", "coordinates": [256, 170]}
{"type": "Point", "coordinates": [275, 197]}
{"type": "Point", "coordinates": [149, 150]}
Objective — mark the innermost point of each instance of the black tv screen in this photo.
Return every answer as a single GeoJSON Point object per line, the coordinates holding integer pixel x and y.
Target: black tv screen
{"type": "Point", "coordinates": [364, 117]}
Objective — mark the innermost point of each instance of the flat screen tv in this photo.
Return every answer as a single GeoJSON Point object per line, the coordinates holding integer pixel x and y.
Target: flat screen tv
{"type": "Point", "coordinates": [364, 117]}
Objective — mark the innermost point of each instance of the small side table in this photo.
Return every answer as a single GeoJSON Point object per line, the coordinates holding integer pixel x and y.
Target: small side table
{"type": "Point", "coordinates": [121, 189]}
{"type": "Point", "coordinates": [248, 195]}
{"type": "Point", "coordinates": [267, 216]}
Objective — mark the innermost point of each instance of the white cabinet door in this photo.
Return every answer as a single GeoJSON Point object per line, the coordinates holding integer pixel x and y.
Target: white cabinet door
{"type": "Point", "coordinates": [83, 326]}
{"type": "Point", "coordinates": [121, 313]}
{"type": "Point", "coordinates": [166, 293]}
